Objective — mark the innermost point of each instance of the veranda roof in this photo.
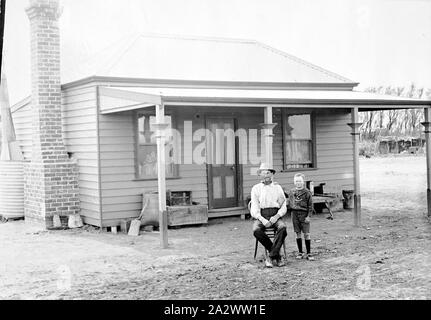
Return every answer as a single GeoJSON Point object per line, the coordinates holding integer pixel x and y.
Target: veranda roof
{"type": "Point", "coordinates": [117, 99]}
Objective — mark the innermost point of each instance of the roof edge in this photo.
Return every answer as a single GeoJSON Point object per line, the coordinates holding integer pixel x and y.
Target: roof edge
{"type": "Point", "coordinates": [371, 103]}
{"type": "Point", "coordinates": [344, 86]}
{"type": "Point", "coordinates": [305, 63]}
{"type": "Point", "coordinates": [20, 104]}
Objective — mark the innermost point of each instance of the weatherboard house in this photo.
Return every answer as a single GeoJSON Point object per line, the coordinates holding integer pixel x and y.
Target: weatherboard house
{"type": "Point", "coordinates": [104, 123]}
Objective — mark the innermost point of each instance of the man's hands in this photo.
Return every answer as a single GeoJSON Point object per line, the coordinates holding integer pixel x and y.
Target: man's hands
{"type": "Point", "coordinates": [266, 223]}
{"type": "Point", "coordinates": [274, 219]}
{"type": "Point", "coordinates": [270, 222]}
{"type": "Point", "coordinates": [307, 219]}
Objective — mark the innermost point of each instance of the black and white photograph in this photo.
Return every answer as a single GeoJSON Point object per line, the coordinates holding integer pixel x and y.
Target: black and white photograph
{"type": "Point", "coordinates": [225, 151]}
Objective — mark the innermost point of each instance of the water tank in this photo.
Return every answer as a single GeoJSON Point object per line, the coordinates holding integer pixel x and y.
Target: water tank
{"type": "Point", "coordinates": [11, 189]}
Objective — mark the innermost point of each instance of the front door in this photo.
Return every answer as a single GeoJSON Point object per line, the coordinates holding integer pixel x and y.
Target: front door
{"type": "Point", "coordinates": [222, 163]}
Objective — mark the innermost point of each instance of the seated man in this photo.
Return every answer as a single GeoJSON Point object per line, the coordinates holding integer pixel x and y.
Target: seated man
{"type": "Point", "coordinates": [268, 205]}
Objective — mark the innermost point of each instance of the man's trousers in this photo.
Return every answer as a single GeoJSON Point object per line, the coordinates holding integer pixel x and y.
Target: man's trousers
{"type": "Point", "coordinates": [280, 233]}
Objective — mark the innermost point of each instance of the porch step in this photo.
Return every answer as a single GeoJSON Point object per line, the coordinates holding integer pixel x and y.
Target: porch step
{"type": "Point", "coordinates": [227, 212]}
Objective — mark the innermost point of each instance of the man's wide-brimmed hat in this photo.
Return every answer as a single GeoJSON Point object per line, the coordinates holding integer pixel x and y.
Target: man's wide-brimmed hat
{"type": "Point", "coordinates": [265, 166]}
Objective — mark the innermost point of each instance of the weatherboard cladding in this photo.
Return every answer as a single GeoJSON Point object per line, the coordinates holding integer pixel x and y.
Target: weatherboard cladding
{"type": "Point", "coordinates": [80, 138]}
{"type": "Point", "coordinates": [79, 132]}
{"type": "Point", "coordinates": [121, 194]}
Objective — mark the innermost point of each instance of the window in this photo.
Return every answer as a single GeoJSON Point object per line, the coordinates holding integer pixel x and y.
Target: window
{"type": "Point", "coordinates": [147, 148]}
{"type": "Point", "coordinates": [298, 139]}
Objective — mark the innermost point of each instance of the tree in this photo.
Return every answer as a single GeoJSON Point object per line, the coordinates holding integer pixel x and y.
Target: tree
{"type": "Point", "coordinates": [396, 121]}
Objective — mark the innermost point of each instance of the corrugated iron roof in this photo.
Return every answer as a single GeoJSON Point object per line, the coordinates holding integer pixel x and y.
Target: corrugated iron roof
{"type": "Point", "coordinates": [198, 58]}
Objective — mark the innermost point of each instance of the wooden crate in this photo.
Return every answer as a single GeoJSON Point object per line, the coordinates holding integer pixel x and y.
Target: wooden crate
{"type": "Point", "coordinates": [179, 198]}
{"type": "Point", "coordinates": [187, 215]}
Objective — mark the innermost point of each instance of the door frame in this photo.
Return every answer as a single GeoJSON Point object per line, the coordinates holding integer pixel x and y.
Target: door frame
{"type": "Point", "coordinates": [238, 167]}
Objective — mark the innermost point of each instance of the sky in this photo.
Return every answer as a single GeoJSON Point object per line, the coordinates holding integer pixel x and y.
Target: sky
{"type": "Point", "coordinates": [378, 42]}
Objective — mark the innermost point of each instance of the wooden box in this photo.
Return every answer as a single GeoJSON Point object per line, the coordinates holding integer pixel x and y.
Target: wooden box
{"type": "Point", "coordinates": [187, 215]}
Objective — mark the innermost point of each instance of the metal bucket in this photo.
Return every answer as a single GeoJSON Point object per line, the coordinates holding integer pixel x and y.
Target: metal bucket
{"type": "Point", "coordinates": [11, 189]}
{"type": "Point", "coordinates": [348, 199]}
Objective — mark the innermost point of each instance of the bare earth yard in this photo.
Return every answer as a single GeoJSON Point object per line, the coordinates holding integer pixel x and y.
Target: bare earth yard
{"type": "Point", "coordinates": [387, 258]}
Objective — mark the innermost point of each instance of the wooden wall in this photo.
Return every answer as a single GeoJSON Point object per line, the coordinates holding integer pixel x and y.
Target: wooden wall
{"type": "Point", "coordinates": [79, 115]}
{"type": "Point", "coordinates": [79, 118]}
{"type": "Point", "coordinates": [22, 121]}
{"type": "Point", "coordinates": [106, 144]}
{"type": "Point", "coordinates": [334, 149]}
{"type": "Point", "coordinates": [121, 191]}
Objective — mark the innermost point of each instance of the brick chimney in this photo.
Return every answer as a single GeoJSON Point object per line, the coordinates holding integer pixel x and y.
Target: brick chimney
{"type": "Point", "coordinates": [51, 178]}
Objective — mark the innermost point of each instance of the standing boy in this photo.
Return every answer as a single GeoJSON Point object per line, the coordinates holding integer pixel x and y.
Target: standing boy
{"type": "Point", "coordinates": [300, 203]}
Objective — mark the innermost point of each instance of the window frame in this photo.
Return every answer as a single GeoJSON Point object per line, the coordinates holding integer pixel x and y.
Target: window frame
{"type": "Point", "coordinates": [312, 113]}
{"type": "Point", "coordinates": [151, 112]}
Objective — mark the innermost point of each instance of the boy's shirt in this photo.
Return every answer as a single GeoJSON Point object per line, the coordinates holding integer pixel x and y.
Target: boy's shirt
{"type": "Point", "coordinates": [300, 200]}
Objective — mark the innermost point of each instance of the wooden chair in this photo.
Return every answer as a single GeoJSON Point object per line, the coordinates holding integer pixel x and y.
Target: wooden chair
{"type": "Point", "coordinates": [270, 232]}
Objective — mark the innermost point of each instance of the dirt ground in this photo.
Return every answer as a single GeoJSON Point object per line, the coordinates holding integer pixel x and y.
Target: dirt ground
{"type": "Point", "coordinates": [387, 258]}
